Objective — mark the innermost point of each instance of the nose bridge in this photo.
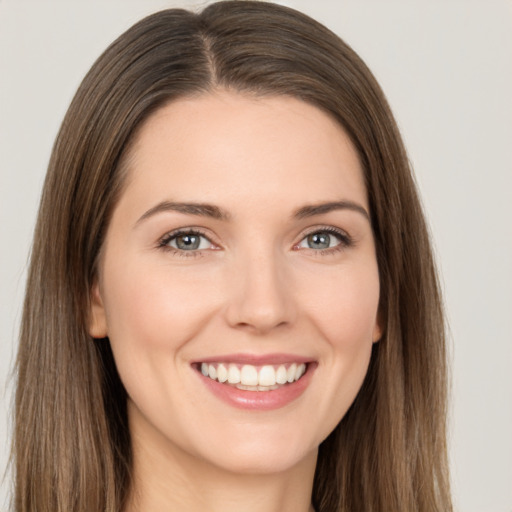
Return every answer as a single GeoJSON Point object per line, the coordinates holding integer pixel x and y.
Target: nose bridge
{"type": "Point", "coordinates": [260, 297]}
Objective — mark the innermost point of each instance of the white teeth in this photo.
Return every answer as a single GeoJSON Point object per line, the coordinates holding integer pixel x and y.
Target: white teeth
{"type": "Point", "coordinates": [249, 375]}
{"type": "Point", "coordinates": [299, 372]}
{"type": "Point", "coordinates": [291, 372]}
{"type": "Point", "coordinates": [222, 373]}
{"type": "Point", "coordinates": [281, 375]}
{"type": "Point", "coordinates": [233, 374]}
{"type": "Point", "coordinates": [252, 378]}
{"type": "Point", "coordinates": [267, 376]}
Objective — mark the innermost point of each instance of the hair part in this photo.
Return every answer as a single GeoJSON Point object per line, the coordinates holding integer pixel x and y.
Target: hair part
{"type": "Point", "coordinates": [72, 445]}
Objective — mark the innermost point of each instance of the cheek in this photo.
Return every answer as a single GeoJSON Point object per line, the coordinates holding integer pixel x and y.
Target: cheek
{"type": "Point", "coordinates": [152, 313]}
{"type": "Point", "coordinates": [344, 310]}
{"type": "Point", "coordinates": [344, 306]}
{"type": "Point", "coordinates": [159, 300]}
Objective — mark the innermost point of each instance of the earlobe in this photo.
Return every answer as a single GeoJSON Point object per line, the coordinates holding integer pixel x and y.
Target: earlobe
{"type": "Point", "coordinates": [377, 334]}
{"type": "Point", "coordinates": [97, 316]}
{"type": "Point", "coordinates": [377, 329]}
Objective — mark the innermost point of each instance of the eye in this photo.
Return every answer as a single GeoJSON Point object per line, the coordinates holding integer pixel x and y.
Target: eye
{"type": "Point", "coordinates": [324, 239]}
{"type": "Point", "coordinates": [189, 240]}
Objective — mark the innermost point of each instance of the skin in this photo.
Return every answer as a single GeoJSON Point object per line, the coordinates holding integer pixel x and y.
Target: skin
{"type": "Point", "coordinates": [255, 286]}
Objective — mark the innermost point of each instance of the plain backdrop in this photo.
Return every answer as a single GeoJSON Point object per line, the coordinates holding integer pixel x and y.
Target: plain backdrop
{"type": "Point", "coordinates": [446, 67]}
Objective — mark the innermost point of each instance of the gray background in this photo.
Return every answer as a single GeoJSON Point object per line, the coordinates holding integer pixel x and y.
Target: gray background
{"type": "Point", "coordinates": [446, 67]}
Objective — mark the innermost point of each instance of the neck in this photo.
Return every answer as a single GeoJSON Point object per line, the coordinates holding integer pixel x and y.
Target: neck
{"type": "Point", "coordinates": [171, 479]}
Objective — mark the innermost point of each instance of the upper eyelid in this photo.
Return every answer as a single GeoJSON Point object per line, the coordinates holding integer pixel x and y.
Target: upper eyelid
{"type": "Point", "coordinates": [326, 227]}
{"type": "Point", "coordinates": [184, 231]}
{"type": "Point", "coordinates": [329, 229]}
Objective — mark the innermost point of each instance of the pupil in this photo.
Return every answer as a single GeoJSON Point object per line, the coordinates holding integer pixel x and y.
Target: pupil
{"type": "Point", "coordinates": [319, 241]}
{"type": "Point", "coordinates": [187, 242]}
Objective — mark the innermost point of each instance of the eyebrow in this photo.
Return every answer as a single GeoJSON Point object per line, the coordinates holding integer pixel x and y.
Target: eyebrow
{"type": "Point", "coordinates": [321, 208]}
{"type": "Point", "coordinates": [217, 213]}
{"type": "Point", "coordinates": [199, 209]}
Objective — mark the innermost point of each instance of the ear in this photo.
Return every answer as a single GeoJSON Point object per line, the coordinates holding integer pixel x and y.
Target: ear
{"type": "Point", "coordinates": [378, 329]}
{"type": "Point", "coordinates": [97, 317]}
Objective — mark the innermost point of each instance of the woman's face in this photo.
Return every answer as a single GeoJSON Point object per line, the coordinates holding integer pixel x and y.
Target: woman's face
{"type": "Point", "coordinates": [239, 255]}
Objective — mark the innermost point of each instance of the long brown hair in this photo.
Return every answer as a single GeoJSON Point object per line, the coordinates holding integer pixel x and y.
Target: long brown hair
{"type": "Point", "coordinates": [72, 444]}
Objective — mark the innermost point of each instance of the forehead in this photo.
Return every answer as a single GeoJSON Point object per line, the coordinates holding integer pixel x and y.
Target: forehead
{"type": "Point", "coordinates": [250, 150]}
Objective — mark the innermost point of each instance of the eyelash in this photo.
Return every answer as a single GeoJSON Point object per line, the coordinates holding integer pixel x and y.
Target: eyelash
{"type": "Point", "coordinates": [345, 241]}
{"type": "Point", "coordinates": [164, 242]}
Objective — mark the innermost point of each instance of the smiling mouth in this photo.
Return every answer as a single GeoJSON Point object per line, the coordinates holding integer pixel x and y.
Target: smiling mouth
{"type": "Point", "coordinates": [253, 378]}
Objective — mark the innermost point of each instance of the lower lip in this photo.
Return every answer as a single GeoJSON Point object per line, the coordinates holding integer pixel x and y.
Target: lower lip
{"type": "Point", "coordinates": [260, 400]}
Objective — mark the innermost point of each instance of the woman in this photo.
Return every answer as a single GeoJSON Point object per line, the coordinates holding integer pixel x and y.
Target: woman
{"type": "Point", "coordinates": [223, 306]}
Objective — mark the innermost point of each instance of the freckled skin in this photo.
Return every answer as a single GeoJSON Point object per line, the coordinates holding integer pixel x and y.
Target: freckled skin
{"type": "Point", "coordinates": [257, 288]}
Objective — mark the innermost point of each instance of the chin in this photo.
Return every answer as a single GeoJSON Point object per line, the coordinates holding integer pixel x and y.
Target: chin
{"type": "Point", "coordinates": [262, 462]}
{"type": "Point", "coordinates": [259, 451]}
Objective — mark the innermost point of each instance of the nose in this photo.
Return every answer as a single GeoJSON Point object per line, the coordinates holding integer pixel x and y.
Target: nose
{"type": "Point", "coordinates": [261, 296]}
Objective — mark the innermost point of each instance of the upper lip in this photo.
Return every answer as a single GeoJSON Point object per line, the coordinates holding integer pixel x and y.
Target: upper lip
{"type": "Point", "coordinates": [256, 359]}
